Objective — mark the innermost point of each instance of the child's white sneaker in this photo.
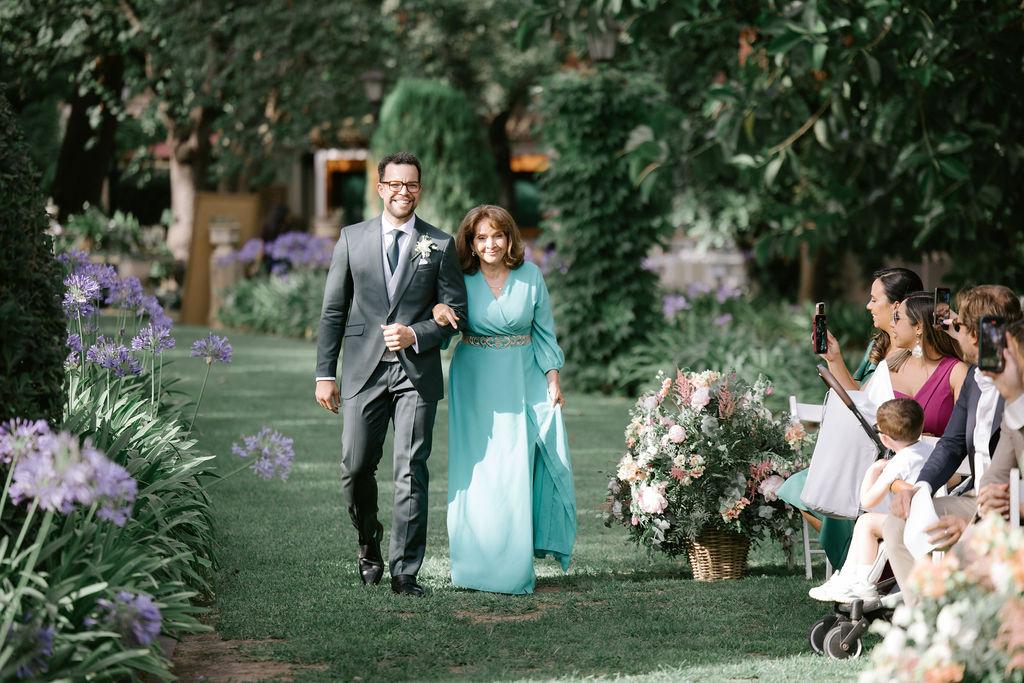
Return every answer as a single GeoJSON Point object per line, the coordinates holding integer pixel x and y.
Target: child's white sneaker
{"type": "Point", "coordinates": [835, 589]}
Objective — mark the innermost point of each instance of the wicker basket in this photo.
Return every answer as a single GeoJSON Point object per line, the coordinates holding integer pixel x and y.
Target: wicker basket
{"type": "Point", "coordinates": [717, 555]}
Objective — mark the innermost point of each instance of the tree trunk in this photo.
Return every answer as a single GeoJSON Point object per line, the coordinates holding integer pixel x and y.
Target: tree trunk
{"type": "Point", "coordinates": [502, 150]}
{"type": "Point", "coordinates": [85, 154]}
{"type": "Point", "coordinates": [808, 274]}
{"type": "Point", "coordinates": [190, 152]}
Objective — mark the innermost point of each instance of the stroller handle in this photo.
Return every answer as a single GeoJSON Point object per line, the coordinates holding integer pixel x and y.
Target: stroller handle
{"type": "Point", "coordinates": [839, 390]}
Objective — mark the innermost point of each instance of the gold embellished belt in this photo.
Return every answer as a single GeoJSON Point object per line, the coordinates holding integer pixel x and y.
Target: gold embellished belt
{"type": "Point", "coordinates": [502, 341]}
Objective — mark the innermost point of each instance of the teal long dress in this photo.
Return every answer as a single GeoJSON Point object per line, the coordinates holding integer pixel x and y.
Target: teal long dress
{"type": "Point", "coordinates": [836, 534]}
{"type": "Point", "coordinates": [510, 490]}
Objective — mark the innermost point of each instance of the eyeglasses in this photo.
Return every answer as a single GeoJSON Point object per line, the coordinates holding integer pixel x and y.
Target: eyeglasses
{"type": "Point", "coordinates": [397, 185]}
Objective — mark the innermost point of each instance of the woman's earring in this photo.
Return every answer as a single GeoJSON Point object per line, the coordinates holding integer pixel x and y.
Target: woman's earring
{"type": "Point", "coordinates": [917, 351]}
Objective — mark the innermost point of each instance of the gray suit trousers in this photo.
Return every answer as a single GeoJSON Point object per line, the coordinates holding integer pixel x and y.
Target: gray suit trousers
{"type": "Point", "coordinates": [388, 396]}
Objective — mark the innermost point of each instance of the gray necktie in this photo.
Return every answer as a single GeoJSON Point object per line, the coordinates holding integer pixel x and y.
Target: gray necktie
{"type": "Point", "coordinates": [393, 251]}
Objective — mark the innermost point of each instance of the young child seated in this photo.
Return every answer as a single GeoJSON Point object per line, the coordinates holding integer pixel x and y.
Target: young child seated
{"type": "Point", "coordinates": [899, 424]}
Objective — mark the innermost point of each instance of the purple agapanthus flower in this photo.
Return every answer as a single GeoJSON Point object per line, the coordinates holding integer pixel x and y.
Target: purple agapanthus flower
{"type": "Point", "coordinates": [722, 320]}
{"type": "Point", "coordinates": [75, 342]}
{"type": "Point", "coordinates": [301, 250]}
{"type": "Point", "coordinates": [251, 251]}
{"type": "Point", "coordinates": [81, 294]}
{"type": "Point", "coordinates": [673, 303]}
{"type": "Point", "coordinates": [134, 615]}
{"type": "Point", "coordinates": [34, 644]}
{"type": "Point", "coordinates": [725, 293]}
{"type": "Point", "coordinates": [55, 474]}
{"type": "Point", "coordinates": [74, 259]}
{"type": "Point", "coordinates": [212, 348]}
{"type": "Point", "coordinates": [272, 452]}
{"type": "Point", "coordinates": [126, 293]}
{"type": "Point", "coordinates": [650, 265]}
{"type": "Point", "coordinates": [114, 357]}
{"type": "Point", "coordinates": [19, 437]}
{"type": "Point", "coordinates": [104, 274]}
{"type": "Point", "coordinates": [153, 338]}
{"type": "Point", "coordinates": [697, 289]}
{"type": "Point", "coordinates": [112, 487]}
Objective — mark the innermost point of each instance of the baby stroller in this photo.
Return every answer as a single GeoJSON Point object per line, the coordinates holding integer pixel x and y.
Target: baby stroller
{"type": "Point", "coordinates": [838, 634]}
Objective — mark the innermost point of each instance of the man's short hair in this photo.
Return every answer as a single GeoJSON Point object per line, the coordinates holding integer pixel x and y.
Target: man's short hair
{"type": "Point", "coordinates": [400, 158]}
{"type": "Point", "coordinates": [1016, 330]}
{"type": "Point", "coordinates": [901, 419]}
{"type": "Point", "coordinates": [983, 300]}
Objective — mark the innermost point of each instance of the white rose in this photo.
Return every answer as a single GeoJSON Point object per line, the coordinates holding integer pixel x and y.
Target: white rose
{"type": "Point", "coordinates": [651, 498]}
{"type": "Point", "coordinates": [700, 398]}
{"type": "Point", "coordinates": [676, 434]}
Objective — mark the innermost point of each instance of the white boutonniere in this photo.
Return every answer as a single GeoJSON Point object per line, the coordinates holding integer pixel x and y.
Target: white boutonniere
{"type": "Point", "coordinates": [423, 248]}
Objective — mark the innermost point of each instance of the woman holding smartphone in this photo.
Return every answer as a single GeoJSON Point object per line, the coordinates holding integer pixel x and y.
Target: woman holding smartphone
{"type": "Point", "coordinates": [889, 287]}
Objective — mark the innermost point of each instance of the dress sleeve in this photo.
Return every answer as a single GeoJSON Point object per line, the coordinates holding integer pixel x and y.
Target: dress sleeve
{"type": "Point", "coordinates": [545, 344]}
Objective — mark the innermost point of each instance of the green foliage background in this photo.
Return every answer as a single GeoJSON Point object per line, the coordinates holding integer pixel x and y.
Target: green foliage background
{"type": "Point", "coordinates": [440, 126]}
{"type": "Point", "coordinates": [31, 320]}
{"type": "Point", "coordinates": [602, 226]}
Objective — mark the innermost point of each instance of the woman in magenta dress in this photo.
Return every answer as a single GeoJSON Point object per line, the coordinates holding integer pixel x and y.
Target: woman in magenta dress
{"type": "Point", "coordinates": [933, 371]}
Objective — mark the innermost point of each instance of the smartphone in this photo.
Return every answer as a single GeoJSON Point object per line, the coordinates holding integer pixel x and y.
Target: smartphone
{"type": "Point", "coordinates": [991, 342]}
{"type": "Point", "coordinates": [819, 332]}
{"type": "Point", "coordinates": [941, 312]}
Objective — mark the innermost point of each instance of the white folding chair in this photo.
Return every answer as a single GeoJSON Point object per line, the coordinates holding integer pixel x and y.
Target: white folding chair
{"type": "Point", "coordinates": [811, 414]}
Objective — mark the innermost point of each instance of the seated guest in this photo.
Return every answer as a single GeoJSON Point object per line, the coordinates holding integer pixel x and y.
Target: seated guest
{"type": "Point", "coordinates": [933, 372]}
{"type": "Point", "coordinates": [994, 493]}
{"type": "Point", "coordinates": [973, 429]}
{"type": "Point", "coordinates": [899, 427]}
{"type": "Point", "coordinates": [889, 287]}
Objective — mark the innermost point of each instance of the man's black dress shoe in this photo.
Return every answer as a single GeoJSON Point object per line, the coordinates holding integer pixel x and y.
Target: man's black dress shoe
{"type": "Point", "coordinates": [371, 564]}
{"type": "Point", "coordinates": [405, 584]}
{"type": "Point", "coordinates": [370, 571]}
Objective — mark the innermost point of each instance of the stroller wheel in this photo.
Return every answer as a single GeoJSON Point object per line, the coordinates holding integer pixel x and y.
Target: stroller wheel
{"type": "Point", "coordinates": [833, 645]}
{"type": "Point", "coordinates": [818, 631]}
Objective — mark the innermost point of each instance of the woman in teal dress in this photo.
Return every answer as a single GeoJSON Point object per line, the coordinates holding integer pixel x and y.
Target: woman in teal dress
{"type": "Point", "coordinates": [510, 490]}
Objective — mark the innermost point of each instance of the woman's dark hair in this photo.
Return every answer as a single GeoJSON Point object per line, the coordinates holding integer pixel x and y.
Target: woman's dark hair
{"type": "Point", "coordinates": [897, 283]}
{"type": "Point", "coordinates": [500, 220]}
{"type": "Point", "coordinates": [920, 306]}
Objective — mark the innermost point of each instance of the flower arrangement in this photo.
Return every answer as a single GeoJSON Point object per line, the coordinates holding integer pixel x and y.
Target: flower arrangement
{"type": "Point", "coordinates": [968, 623]}
{"type": "Point", "coordinates": [704, 453]}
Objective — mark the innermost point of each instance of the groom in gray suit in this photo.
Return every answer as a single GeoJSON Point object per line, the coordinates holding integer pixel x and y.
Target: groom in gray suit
{"type": "Point", "coordinates": [386, 275]}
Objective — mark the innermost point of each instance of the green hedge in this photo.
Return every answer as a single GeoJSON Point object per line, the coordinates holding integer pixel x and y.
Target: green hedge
{"type": "Point", "coordinates": [31, 322]}
{"type": "Point", "coordinates": [603, 227]}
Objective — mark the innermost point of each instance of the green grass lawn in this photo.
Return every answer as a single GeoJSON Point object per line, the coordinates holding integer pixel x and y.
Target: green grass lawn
{"type": "Point", "coordinates": [287, 564]}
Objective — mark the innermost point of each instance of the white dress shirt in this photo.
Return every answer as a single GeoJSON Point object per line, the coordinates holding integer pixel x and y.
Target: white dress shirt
{"type": "Point", "coordinates": [983, 426]}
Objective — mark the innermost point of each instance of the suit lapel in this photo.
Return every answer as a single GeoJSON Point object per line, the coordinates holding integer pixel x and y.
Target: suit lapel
{"type": "Point", "coordinates": [373, 247]}
{"type": "Point", "coordinates": [407, 268]}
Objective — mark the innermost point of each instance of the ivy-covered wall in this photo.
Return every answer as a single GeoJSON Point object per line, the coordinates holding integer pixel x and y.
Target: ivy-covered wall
{"type": "Point", "coordinates": [602, 225]}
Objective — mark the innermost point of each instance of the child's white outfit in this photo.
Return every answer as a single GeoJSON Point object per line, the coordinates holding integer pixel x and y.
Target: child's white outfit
{"type": "Point", "coordinates": [851, 582]}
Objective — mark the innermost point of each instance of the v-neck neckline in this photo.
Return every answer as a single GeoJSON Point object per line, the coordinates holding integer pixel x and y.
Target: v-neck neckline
{"type": "Point", "coordinates": [504, 287]}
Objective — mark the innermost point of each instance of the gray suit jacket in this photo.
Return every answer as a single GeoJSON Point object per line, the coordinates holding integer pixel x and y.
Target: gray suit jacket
{"type": "Point", "coordinates": [356, 304]}
{"type": "Point", "coordinates": [957, 441]}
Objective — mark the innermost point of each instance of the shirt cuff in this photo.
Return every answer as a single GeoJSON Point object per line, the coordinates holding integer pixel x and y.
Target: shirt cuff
{"type": "Point", "coordinates": [926, 486]}
{"type": "Point", "coordinates": [326, 379]}
{"type": "Point", "coordinates": [415, 341]}
{"type": "Point", "coordinates": [1013, 413]}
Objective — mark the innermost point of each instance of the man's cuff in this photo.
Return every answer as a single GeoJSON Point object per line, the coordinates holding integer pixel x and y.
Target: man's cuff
{"type": "Point", "coordinates": [1013, 413]}
{"type": "Point", "coordinates": [415, 341]}
{"type": "Point", "coordinates": [326, 379]}
{"type": "Point", "coordinates": [926, 486]}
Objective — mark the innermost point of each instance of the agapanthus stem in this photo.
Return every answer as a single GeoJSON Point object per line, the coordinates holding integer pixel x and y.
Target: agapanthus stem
{"type": "Point", "coordinates": [12, 607]}
{"type": "Point", "coordinates": [200, 399]}
{"type": "Point", "coordinates": [159, 382]}
{"type": "Point", "coordinates": [24, 528]}
{"type": "Point", "coordinates": [228, 475]}
{"type": "Point", "coordinates": [7, 487]}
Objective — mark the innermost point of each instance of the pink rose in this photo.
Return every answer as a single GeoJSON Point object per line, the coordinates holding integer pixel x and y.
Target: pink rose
{"type": "Point", "coordinates": [769, 488]}
{"type": "Point", "coordinates": [700, 398]}
{"type": "Point", "coordinates": [651, 402]}
{"type": "Point", "coordinates": [676, 434]}
{"type": "Point", "coordinates": [651, 498]}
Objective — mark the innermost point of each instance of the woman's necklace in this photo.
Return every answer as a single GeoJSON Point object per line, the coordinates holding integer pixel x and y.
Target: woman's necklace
{"type": "Point", "coordinates": [496, 284]}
